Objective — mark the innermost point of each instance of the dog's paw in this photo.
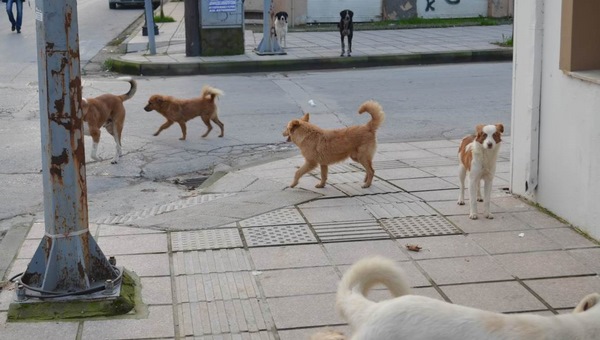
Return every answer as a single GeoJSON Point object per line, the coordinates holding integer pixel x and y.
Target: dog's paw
{"type": "Point", "coordinates": [364, 186]}
{"type": "Point", "coordinates": [183, 138]}
{"type": "Point", "coordinates": [479, 199]}
{"type": "Point", "coordinates": [320, 186]}
{"type": "Point", "coordinates": [155, 134]}
{"type": "Point", "coordinates": [460, 202]}
{"type": "Point", "coordinates": [473, 216]}
{"type": "Point", "coordinates": [489, 216]}
{"type": "Point", "coordinates": [114, 162]}
{"type": "Point", "coordinates": [293, 184]}
{"type": "Point", "coordinates": [349, 55]}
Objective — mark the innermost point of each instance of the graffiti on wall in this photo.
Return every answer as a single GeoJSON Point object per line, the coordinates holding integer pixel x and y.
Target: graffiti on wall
{"type": "Point", "coordinates": [399, 9]}
{"type": "Point", "coordinates": [451, 8]}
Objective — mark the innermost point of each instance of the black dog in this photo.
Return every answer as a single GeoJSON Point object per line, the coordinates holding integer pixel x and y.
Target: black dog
{"type": "Point", "coordinates": [346, 29]}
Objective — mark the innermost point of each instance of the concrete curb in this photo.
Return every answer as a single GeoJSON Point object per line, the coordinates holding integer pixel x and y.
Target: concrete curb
{"type": "Point", "coordinates": [174, 69]}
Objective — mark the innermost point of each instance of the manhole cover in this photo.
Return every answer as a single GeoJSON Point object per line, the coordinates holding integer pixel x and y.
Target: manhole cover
{"type": "Point", "coordinates": [419, 226]}
{"type": "Point", "coordinates": [349, 231]}
{"type": "Point", "coordinates": [278, 235]}
{"type": "Point", "coordinates": [277, 217]}
{"type": "Point", "coordinates": [206, 239]}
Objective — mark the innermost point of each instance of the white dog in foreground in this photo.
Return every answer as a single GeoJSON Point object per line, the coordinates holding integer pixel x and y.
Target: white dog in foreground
{"type": "Point", "coordinates": [418, 317]}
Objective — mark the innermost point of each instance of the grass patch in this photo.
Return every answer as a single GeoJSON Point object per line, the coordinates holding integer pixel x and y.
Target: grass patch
{"type": "Point", "coordinates": [449, 22]}
{"type": "Point", "coordinates": [107, 65]}
{"type": "Point", "coordinates": [506, 41]}
{"type": "Point", "coordinates": [163, 18]}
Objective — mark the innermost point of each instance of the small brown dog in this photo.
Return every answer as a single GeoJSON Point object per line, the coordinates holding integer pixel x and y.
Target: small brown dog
{"type": "Point", "coordinates": [325, 147]}
{"type": "Point", "coordinates": [181, 110]}
{"type": "Point", "coordinates": [106, 111]}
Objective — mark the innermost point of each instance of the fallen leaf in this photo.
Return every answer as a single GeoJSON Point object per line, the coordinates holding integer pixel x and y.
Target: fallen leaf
{"type": "Point", "coordinates": [413, 247]}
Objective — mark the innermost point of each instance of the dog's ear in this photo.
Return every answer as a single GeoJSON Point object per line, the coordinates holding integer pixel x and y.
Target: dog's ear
{"type": "Point", "coordinates": [351, 14]}
{"type": "Point", "coordinates": [306, 117]}
{"type": "Point", "coordinates": [587, 302]}
{"type": "Point", "coordinates": [479, 129]}
{"type": "Point", "coordinates": [84, 105]}
{"type": "Point", "coordinates": [500, 128]}
{"type": "Point", "coordinates": [294, 125]}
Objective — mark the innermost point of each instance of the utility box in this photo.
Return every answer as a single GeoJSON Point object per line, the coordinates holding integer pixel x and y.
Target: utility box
{"type": "Point", "coordinates": [221, 27]}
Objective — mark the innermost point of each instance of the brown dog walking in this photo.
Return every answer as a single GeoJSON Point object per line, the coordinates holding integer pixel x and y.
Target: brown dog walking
{"type": "Point", "coordinates": [179, 111]}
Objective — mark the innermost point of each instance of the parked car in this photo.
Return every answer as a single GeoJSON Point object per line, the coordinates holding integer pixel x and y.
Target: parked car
{"type": "Point", "coordinates": [112, 4]}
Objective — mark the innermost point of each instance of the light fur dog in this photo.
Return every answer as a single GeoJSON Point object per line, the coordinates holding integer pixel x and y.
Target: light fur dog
{"type": "Point", "coordinates": [180, 111]}
{"type": "Point", "coordinates": [418, 317]}
{"type": "Point", "coordinates": [477, 156]}
{"type": "Point", "coordinates": [108, 111]}
{"type": "Point", "coordinates": [325, 147]}
{"type": "Point", "coordinates": [281, 28]}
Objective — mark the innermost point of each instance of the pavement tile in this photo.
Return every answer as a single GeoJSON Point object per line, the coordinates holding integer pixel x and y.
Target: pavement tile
{"type": "Point", "coordinates": [332, 202]}
{"type": "Point", "coordinates": [442, 171]}
{"type": "Point", "coordinates": [37, 330]}
{"type": "Point", "coordinates": [401, 173]}
{"type": "Point", "coordinates": [211, 261]}
{"type": "Point", "coordinates": [393, 147]}
{"type": "Point", "coordinates": [300, 281]}
{"type": "Point", "coordinates": [413, 274]}
{"type": "Point", "coordinates": [443, 247]}
{"type": "Point", "coordinates": [156, 290]}
{"type": "Point", "coordinates": [278, 235]}
{"type": "Point", "coordinates": [216, 286]}
{"type": "Point", "coordinates": [510, 242]}
{"type": "Point", "coordinates": [511, 204]}
{"type": "Point", "coordinates": [114, 230]}
{"type": "Point", "coordinates": [338, 214]}
{"type": "Point", "coordinates": [304, 311]}
{"type": "Point", "coordinates": [568, 238]}
{"type": "Point", "coordinates": [133, 244]}
{"type": "Point", "coordinates": [590, 257]}
{"type": "Point", "coordinates": [158, 324]}
{"type": "Point", "coordinates": [438, 195]}
{"type": "Point", "coordinates": [305, 333]}
{"type": "Point", "coordinates": [500, 222]}
{"type": "Point", "coordinates": [377, 187]}
{"type": "Point", "coordinates": [542, 264]}
{"type": "Point", "coordinates": [565, 292]}
{"type": "Point", "coordinates": [145, 264]}
{"type": "Point", "coordinates": [423, 184]}
{"type": "Point", "coordinates": [350, 252]}
{"type": "Point", "coordinates": [539, 220]}
{"type": "Point", "coordinates": [310, 255]}
{"type": "Point", "coordinates": [448, 152]}
{"type": "Point", "coordinates": [464, 270]}
{"type": "Point", "coordinates": [499, 297]}
{"type": "Point", "coordinates": [433, 161]}
{"type": "Point", "coordinates": [28, 248]}
{"type": "Point", "coordinates": [434, 144]}
{"type": "Point", "coordinates": [219, 317]}
{"type": "Point", "coordinates": [403, 155]}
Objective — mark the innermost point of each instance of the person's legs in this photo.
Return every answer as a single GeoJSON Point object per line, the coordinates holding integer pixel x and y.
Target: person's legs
{"type": "Point", "coordinates": [9, 11]}
{"type": "Point", "coordinates": [19, 4]}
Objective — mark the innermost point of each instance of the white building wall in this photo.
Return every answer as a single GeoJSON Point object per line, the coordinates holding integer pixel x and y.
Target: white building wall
{"type": "Point", "coordinates": [569, 115]}
{"type": "Point", "coordinates": [452, 8]}
{"type": "Point", "coordinates": [329, 10]}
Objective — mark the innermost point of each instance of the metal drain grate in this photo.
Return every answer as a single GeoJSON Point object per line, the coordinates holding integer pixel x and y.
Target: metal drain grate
{"type": "Point", "coordinates": [277, 217]}
{"type": "Point", "coordinates": [419, 226]}
{"type": "Point", "coordinates": [278, 235]}
{"type": "Point", "coordinates": [349, 231]}
{"type": "Point", "coordinates": [206, 239]}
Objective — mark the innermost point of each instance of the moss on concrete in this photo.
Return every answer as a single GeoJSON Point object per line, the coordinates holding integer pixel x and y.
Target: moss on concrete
{"type": "Point", "coordinates": [129, 298]}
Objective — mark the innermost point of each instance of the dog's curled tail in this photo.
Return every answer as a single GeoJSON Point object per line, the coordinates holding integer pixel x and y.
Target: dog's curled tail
{"type": "Point", "coordinates": [376, 112]}
{"type": "Point", "coordinates": [132, 89]}
{"type": "Point", "coordinates": [212, 92]}
{"type": "Point", "coordinates": [351, 301]}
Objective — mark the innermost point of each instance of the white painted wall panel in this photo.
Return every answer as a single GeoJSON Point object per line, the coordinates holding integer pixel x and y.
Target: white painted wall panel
{"type": "Point", "coordinates": [329, 10]}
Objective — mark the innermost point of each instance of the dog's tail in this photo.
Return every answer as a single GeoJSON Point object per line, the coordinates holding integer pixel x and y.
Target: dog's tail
{"type": "Point", "coordinates": [351, 301]}
{"type": "Point", "coordinates": [376, 112]}
{"type": "Point", "coordinates": [132, 89]}
{"type": "Point", "coordinates": [212, 92]}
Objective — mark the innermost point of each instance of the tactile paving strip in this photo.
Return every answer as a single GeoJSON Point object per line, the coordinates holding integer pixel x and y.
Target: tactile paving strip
{"type": "Point", "coordinates": [397, 197]}
{"type": "Point", "coordinates": [223, 316]}
{"type": "Point", "coordinates": [278, 217]}
{"type": "Point", "coordinates": [419, 226]}
{"type": "Point", "coordinates": [380, 165]}
{"type": "Point", "coordinates": [349, 231]}
{"type": "Point", "coordinates": [161, 209]}
{"type": "Point", "coordinates": [340, 168]}
{"type": "Point", "coordinates": [278, 235]}
{"type": "Point", "coordinates": [206, 239]}
{"type": "Point", "coordinates": [406, 209]}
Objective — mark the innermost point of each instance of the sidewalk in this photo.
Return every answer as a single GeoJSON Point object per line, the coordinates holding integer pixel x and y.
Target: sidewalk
{"type": "Point", "coordinates": [315, 50]}
{"type": "Point", "coordinates": [249, 258]}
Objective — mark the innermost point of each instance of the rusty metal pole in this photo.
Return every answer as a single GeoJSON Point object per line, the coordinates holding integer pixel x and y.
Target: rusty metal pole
{"type": "Point", "coordinates": [68, 260]}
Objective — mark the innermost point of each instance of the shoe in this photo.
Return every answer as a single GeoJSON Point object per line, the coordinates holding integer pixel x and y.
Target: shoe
{"type": "Point", "coordinates": [13, 28]}
{"type": "Point", "coordinates": [18, 30]}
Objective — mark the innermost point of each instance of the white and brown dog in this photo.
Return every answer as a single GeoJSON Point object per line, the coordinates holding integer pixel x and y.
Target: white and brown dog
{"type": "Point", "coordinates": [106, 111]}
{"type": "Point", "coordinates": [281, 28]}
{"type": "Point", "coordinates": [477, 155]}
{"type": "Point", "coordinates": [417, 317]}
